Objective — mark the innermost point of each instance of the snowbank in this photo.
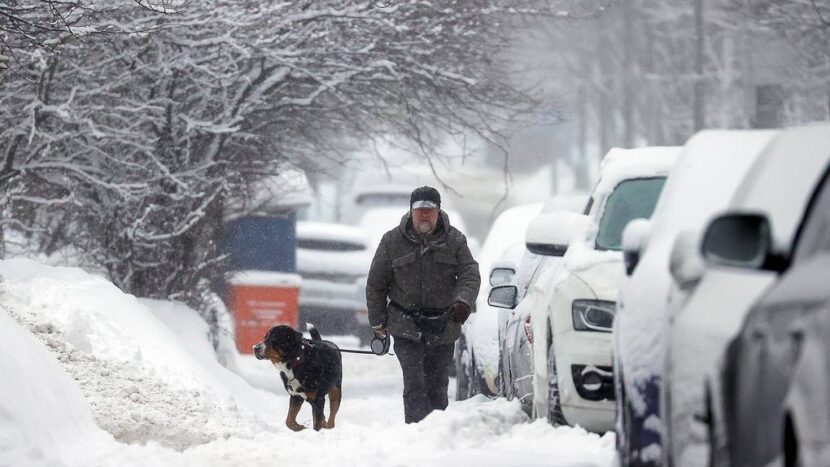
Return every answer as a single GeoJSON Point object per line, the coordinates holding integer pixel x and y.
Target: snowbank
{"type": "Point", "coordinates": [142, 381]}
{"type": "Point", "coordinates": [43, 414]}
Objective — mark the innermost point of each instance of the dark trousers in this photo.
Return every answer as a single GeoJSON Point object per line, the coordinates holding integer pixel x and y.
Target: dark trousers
{"type": "Point", "coordinates": [425, 377]}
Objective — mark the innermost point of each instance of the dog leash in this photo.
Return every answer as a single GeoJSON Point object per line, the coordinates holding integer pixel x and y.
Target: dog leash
{"type": "Point", "coordinates": [379, 346]}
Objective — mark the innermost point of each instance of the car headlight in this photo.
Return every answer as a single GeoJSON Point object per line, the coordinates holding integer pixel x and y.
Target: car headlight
{"type": "Point", "coordinates": [593, 315]}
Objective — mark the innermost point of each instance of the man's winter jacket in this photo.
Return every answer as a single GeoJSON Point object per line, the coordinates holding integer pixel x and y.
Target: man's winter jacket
{"type": "Point", "coordinates": [410, 274]}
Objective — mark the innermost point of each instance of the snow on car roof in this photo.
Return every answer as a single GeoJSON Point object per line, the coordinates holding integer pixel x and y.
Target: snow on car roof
{"type": "Point", "coordinates": [709, 171]}
{"type": "Point", "coordinates": [617, 166]}
{"type": "Point", "coordinates": [331, 231]}
{"type": "Point", "coordinates": [623, 164]}
{"type": "Point", "coordinates": [509, 228]}
{"type": "Point", "coordinates": [796, 159]}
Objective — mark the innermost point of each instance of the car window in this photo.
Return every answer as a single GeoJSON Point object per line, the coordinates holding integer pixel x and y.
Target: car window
{"type": "Point", "coordinates": [631, 199]}
{"type": "Point", "coordinates": [815, 233]}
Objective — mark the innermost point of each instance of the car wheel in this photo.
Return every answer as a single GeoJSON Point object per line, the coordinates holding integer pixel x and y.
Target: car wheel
{"type": "Point", "coordinates": [792, 458]}
{"type": "Point", "coordinates": [462, 380]}
{"type": "Point", "coordinates": [474, 382]}
{"type": "Point", "coordinates": [623, 439]}
{"type": "Point", "coordinates": [555, 415]}
{"type": "Point", "coordinates": [504, 380]}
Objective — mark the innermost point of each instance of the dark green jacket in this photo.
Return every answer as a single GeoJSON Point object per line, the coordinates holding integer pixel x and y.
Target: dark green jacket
{"type": "Point", "coordinates": [410, 273]}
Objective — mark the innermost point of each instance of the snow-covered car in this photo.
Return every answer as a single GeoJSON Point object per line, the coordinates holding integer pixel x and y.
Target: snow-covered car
{"type": "Point", "coordinates": [333, 260]}
{"type": "Point", "coordinates": [702, 324]}
{"type": "Point", "coordinates": [575, 332]}
{"type": "Point", "coordinates": [547, 239]}
{"type": "Point", "coordinates": [776, 372]}
{"type": "Point", "coordinates": [374, 196]}
{"type": "Point", "coordinates": [477, 350]}
{"type": "Point", "coordinates": [704, 180]}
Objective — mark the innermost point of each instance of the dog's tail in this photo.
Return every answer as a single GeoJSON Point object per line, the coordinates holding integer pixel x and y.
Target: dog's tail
{"type": "Point", "coordinates": [315, 334]}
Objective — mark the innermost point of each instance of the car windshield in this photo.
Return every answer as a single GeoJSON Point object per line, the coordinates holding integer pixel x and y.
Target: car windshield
{"type": "Point", "coordinates": [631, 199]}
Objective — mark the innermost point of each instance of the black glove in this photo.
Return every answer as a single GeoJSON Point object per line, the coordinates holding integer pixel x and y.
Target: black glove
{"type": "Point", "coordinates": [459, 312]}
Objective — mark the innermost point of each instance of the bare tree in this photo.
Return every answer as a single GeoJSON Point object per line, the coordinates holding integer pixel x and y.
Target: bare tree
{"type": "Point", "coordinates": [126, 146]}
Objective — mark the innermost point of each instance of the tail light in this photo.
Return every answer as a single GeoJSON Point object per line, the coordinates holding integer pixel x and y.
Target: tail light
{"type": "Point", "coordinates": [528, 330]}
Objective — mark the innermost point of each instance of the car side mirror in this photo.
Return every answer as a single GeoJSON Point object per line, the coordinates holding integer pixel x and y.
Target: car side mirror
{"type": "Point", "coordinates": [503, 296]}
{"type": "Point", "coordinates": [685, 263]}
{"type": "Point", "coordinates": [741, 240]}
{"type": "Point", "coordinates": [634, 241]}
{"type": "Point", "coordinates": [501, 276]}
{"type": "Point", "coordinates": [550, 234]}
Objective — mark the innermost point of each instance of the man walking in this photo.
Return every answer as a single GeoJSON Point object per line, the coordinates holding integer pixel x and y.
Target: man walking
{"type": "Point", "coordinates": [422, 286]}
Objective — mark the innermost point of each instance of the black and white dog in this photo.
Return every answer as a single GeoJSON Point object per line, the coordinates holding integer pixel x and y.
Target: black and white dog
{"type": "Point", "coordinates": [310, 369]}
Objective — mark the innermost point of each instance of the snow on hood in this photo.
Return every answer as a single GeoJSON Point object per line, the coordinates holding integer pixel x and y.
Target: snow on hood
{"type": "Point", "coordinates": [581, 256]}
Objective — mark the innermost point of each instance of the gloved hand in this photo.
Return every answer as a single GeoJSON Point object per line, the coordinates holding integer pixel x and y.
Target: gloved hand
{"type": "Point", "coordinates": [459, 312]}
{"type": "Point", "coordinates": [380, 331]}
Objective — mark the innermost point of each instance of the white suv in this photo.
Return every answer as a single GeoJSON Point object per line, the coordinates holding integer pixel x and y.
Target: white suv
{"type": "Point", "coordinates": [573, 379]}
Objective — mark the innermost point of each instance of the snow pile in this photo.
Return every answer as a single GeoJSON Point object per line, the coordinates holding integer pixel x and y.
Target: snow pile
{"type": "Point", "coordinates": [42, 412]}
{"type": "Point", "coordinates": [143, 382]}
{"type": "Point", "coordinates": [477, 432]}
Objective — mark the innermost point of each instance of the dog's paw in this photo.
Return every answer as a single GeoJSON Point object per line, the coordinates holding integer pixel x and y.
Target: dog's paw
{"type": "Point", "coordinates": [294, 426]}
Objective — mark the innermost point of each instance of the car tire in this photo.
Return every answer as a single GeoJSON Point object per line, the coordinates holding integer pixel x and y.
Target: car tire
{"type": "Point", "coordinates": [462, 380]}
{"type": "Point", "coordinates": [474, 385]}
{"type": "Point", "coordinates": [555, 415]}
{"type": "Point", "coordinates": [504, 380]}
{"type": "Point", "coordinates": [623, 439]}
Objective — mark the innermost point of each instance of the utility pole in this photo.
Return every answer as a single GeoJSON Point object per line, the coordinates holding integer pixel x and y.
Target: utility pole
{"type": "Point", "coordinates": [629, 60]}
{"type": "Point", "coordinates": [699, 103]}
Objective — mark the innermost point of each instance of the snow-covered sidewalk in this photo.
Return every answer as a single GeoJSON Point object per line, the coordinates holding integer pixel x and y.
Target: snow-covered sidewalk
{"type": "Point", "coordinates": [94, 377]}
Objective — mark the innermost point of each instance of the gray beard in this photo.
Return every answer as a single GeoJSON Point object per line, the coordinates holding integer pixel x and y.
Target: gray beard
{"type": "Point", "coordinates": [423, 228]}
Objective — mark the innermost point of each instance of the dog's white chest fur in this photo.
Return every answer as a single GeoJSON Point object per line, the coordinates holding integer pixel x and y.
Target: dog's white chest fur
{"type": "Point", "coordinates": [293, 383]}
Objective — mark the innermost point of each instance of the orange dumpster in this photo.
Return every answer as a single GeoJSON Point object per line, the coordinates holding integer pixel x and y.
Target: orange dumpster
{"type": "Point", "coordinates": [259, 300]}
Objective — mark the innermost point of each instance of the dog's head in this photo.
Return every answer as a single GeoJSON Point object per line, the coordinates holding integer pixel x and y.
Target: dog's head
{"type": "Point", "coordinates": [281, 344]}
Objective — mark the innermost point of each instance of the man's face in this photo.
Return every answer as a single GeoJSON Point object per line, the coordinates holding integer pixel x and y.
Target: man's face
{"type": "Point", "coordinates": [425, 220]}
